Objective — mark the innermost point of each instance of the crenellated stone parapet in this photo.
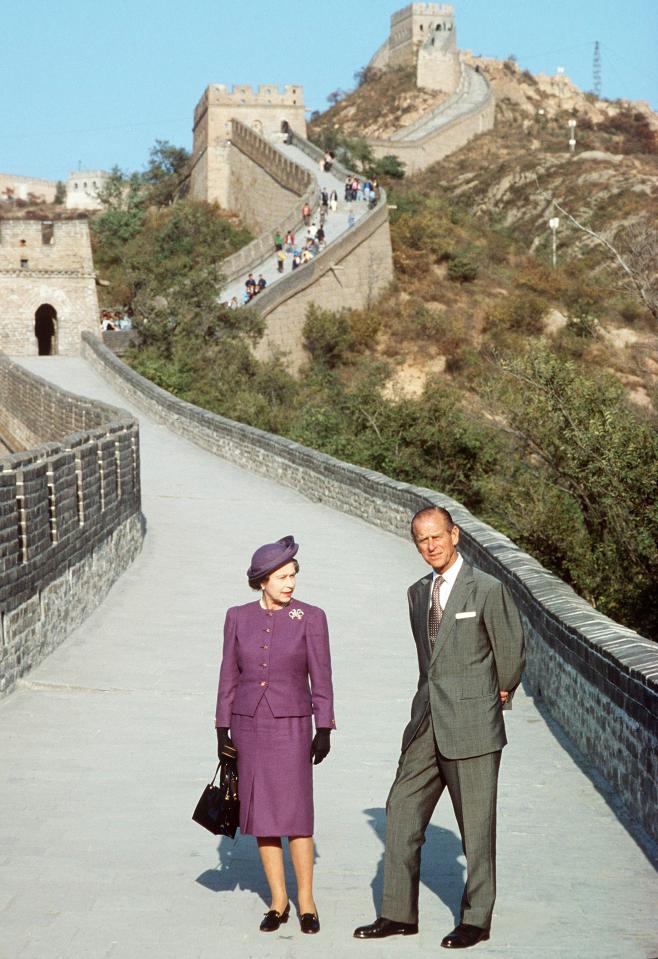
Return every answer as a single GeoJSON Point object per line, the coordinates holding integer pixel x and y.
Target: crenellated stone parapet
{"type": "Point", "coordinates": [70, 515]}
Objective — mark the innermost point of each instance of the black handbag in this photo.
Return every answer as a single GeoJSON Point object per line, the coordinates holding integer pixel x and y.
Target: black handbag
{"type": "Point", "coordinates": [218, 809]}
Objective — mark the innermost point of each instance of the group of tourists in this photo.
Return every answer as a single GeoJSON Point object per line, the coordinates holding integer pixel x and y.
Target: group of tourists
{"type": "Point", "coordinates": [301, 250]}
{"type": "Point", "coordinates": [358, 189]}
{"type": "Point", "coordinates": [252, 287]}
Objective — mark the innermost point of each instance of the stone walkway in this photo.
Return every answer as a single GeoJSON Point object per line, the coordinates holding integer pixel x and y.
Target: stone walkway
{"type": "Point", "coordinates": [106, 746]}
{"type": "Point", "coordinates": [336, 223]}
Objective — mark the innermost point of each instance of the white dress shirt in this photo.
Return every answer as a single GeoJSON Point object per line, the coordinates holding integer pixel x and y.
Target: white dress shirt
{"type": "Point", "coordinates": [449, 578]}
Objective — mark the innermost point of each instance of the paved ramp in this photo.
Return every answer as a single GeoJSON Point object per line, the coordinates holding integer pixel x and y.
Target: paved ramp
{"type": "Point", "coordinates": [106, 746]}
{"type": "Point", "coordinates": [336, 225]}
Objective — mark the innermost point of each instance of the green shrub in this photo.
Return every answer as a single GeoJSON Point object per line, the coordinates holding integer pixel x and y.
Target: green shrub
{"type": "Point", "coordinates": [464, 266]}
{"type": "Point", "coordinates": [583, 325]}
{"type": "Point", "coordinates": [328, 336]}
{"type": "Point", "coordinates": [521, 313]}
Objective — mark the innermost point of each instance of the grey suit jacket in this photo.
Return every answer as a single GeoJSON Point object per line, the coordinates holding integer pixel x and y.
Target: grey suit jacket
{"type": "Point", "coordinates": [474, 657]}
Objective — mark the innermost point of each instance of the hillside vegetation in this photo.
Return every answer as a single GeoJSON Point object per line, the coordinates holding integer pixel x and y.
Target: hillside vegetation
{"type": "Point", "coordinates": [525, 391]}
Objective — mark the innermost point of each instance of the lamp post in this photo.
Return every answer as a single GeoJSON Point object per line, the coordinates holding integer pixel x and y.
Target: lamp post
{"type": "Point", "coordinates": [572, 134]}
{"type": "Point", "coordinates": [554, 223]}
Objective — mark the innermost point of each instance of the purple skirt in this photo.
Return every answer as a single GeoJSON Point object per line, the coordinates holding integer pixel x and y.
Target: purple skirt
{"type": "Point", "coordinates": [275, 773]}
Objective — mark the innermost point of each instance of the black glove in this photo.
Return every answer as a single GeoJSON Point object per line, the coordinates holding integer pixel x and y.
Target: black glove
{"type": "Point", "coordinates": [223, 739]}
{"type": "Point", "coordinates": [320, 746]}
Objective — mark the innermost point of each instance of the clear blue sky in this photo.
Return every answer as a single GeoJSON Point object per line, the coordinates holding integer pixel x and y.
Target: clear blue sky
{"type": "Point", "coordinates": [96, 84]}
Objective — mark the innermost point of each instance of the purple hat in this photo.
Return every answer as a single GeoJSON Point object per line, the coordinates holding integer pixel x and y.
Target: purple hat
{"type": "Point", "coordinates": [271, 556]}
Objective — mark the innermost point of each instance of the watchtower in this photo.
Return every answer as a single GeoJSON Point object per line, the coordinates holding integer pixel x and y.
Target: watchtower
{"type": "Point", "coordinates": [47, 286]}
{"type": "Point", "coordinates": [423, 35]}
{"type": "Point", "coordinates": [267, 110]}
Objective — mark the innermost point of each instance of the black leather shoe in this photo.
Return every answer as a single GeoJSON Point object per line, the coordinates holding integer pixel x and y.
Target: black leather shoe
{"type": "Point", "coordinates": [309, 923]}
{"type": "Point", "coordinates": [464, 936]}
{"type": "Point", "coordinates": [274, 919]}
{"type": "Point", "coordinates": [382, 927]}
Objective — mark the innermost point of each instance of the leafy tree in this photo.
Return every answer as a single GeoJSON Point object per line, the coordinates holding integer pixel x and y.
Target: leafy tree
{"type": "Point", "coordinates": [390, 166]}
{"type": "Point", "coordinates": [120, 221]}
{"type": "Point", "coordinates": [166, 173]}
{"type": "Point", "coordinates": [587, 497]}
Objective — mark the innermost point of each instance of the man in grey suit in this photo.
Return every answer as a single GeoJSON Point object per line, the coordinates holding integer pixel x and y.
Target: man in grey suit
{"type": "Point", "coordinates": [470, 648]}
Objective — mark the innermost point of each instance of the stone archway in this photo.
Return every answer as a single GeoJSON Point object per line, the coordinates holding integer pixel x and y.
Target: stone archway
{"type": "Point", "coordinates": [45, 329]}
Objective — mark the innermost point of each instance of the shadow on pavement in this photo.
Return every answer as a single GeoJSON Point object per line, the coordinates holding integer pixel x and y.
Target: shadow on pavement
{"type": "Point", "coordinates": [440, 871]}
{"type": "Point", "coordinates": [239, 867]}
{"type": "Point", "coordinates": [634, 829]}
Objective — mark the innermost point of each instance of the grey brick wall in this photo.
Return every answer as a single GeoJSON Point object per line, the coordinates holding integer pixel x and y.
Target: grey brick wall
{"type": "Point", "coordinates": [70, 514]}
{"type": "Point", "coordinates": [598, 679]}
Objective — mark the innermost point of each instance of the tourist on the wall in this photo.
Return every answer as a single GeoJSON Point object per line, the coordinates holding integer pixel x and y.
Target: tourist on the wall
{"type": "Point", "coordinates": [289, 241]}
{"type": "Point", "coordinates": [250, 285]}
{"type": "Point", "coordinates": [333, 201]}
{"type": "Point", "coordinates": [280, 260]}
{"type": "Point", "coordinates": [278, 241]}
{"type": "Point", "coordinates": [262, 283]}
{"type": "Point", "coordinates": [306, 214]}
{"type": "Point", "coordinates": [275, 676]}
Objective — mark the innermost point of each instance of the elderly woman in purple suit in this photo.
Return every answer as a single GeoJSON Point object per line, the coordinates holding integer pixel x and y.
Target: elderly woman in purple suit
{"type": "Point", "coordinates": [275, 675]}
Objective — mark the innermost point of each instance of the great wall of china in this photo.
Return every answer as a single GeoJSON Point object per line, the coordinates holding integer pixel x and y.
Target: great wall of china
{"type": "Point", "coordinates": [71, 513]}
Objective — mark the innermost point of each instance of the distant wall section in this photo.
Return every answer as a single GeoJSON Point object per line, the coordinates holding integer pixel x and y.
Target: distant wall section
{"type": "Point", "coordinates": [13, 187]}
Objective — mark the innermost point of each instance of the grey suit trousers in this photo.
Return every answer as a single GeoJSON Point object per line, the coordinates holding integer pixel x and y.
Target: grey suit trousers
{"type": "Point", "coordinates": [423, 773]}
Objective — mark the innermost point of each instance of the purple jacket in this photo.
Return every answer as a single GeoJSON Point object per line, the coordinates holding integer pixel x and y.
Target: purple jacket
{"type": "Point", "coordinates": [274, 654]}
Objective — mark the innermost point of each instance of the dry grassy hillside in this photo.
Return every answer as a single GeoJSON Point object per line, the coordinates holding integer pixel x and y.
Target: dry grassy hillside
{"type": "Point", "coordinates": [472, 243]}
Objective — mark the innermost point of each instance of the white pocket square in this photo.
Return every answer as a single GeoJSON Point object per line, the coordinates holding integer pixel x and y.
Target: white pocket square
{"type": "Point", "coordinates": [465, 615]}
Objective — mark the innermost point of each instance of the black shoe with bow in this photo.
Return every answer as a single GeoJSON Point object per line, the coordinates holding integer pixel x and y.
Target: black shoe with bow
{"type": "Point", "coordinates": [309, 923]}
{"type": "Point", "coordinates": [464, 936]}
{"type": "Point", "coordinates": [382, 927]}
{"type": "Point", "coordinates": [274, 919]}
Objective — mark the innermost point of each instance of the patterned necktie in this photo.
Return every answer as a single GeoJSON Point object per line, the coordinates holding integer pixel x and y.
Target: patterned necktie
{"type": "Point", "coordinates": [436, 612]}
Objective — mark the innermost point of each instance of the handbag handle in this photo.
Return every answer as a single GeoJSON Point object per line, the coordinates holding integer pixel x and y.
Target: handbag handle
{"type": "Point", "coordinates": [212, 782]}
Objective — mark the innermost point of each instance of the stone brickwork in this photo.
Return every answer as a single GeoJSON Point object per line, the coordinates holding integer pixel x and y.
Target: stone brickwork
{"type": "Point", "coordinates": [265, 187]}
{"type": "Point", "coordinates": [599, 679]}
{"type": "Point", "coordinates": [70, 516]}
{"type": "Point", "coordinates": [253, 178]}
{"type": "Point", "coordinates": [47, 286]}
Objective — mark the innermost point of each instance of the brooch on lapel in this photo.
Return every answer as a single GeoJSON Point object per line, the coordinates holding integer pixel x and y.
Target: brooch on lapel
{"type": "Point", "coordinates": [296, 613]}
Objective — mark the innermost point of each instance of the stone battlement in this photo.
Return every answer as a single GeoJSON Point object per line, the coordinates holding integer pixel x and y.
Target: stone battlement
{"type": "Point", "coordinates": [423, 10]}
{"type": "Point", "coordinates": [69, 513]}
{"type": "Point", "coordinates": [35, 245]}
{"type": "Point", "coordinates": [244, 95]}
